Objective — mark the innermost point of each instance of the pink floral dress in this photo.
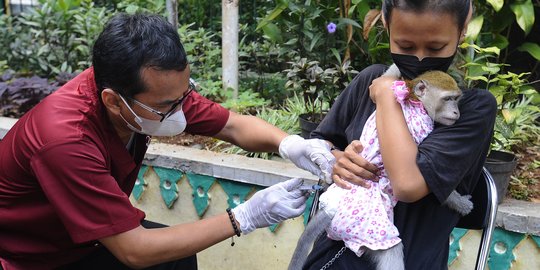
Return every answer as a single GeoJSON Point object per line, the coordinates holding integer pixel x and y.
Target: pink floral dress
{"type": "Point", "coordinates": [364, 217]}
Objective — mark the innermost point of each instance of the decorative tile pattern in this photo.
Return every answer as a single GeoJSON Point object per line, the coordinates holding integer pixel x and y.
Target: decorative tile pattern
{"type": "Point", "coordinates": [236, 191]}
{"type": "Point", "coordinates": [200, 184]}
{"type": "Point", "coordinates": [536, 239]}
{"type": "Point", "coordinates": [502, 248]}
{"type": "Point", "coordinates": [140, 184]}
{"type": "Point", "coordinates": [501, 252]}
{"type": "Point", "coordinates": [309, 203]}
{"type": "Point", "coordinates": [168, 184]}
{"type": "Point", "coordinates": [455, 236]}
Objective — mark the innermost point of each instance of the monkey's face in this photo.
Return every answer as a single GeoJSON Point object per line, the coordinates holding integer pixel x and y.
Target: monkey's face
{"type": "Point", "coordinates": [440, 104]}
{"type": "Point", "coordinates": [448, 112]}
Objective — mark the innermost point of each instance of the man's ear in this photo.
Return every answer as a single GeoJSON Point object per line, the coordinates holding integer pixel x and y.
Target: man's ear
{"type": "Point", "coordinates": [111, 100]}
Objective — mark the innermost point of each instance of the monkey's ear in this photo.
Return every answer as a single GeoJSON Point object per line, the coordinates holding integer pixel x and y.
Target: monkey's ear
{"type": "Point", "coordinates": [420, 88]}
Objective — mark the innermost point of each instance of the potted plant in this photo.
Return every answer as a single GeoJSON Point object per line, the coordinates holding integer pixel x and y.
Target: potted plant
{"type": "Point", "coordinates": [307, 79]}
{"type": "Point", "coordinates": [514, 127]}
{"type": "Point", "coordinates": [518, 110]}
{"type": "Point", "coordinates": [318, 87]}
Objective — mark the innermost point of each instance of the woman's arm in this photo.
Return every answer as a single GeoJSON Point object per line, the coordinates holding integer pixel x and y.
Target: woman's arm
{"type": "Point", "coordinates": [446, 157]}
{"type": "Point", "coordinates": [343, 125]}
{"type": "Point", "coordinates": [398, 149]}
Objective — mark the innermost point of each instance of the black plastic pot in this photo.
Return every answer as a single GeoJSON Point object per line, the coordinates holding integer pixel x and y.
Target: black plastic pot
{"type": "Point", "coordinates": [306, 125]}
{"type": "Point", "coordinates": [501, 165]}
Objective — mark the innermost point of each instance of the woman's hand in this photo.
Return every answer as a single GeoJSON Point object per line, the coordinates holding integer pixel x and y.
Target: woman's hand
{"type": "Point", "coordinates": [381, 87]}
{"type": "Point", "coordinates": [351, 167]}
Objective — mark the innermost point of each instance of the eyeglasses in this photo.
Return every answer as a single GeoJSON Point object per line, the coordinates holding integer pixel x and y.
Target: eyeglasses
{"type": "Point", "coordinates": [191, 87]}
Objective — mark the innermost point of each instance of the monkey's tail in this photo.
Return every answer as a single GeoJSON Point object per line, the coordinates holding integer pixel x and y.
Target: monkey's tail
{"type": "Point", "coordinates": [388, 259]}
{"type": "Point", "coordinates": [314, 228]}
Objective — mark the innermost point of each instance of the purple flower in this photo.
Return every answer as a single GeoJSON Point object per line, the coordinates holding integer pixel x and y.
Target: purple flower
{"type": "Point", "coordinates": [331, 27]}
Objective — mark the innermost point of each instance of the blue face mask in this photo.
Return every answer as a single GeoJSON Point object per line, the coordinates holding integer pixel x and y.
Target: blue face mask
{"type": "Point", "coordinates": [410, 66]}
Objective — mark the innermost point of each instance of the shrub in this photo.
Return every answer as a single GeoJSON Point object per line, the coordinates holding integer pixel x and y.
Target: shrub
{"type": "Point", "coordinates": [51, 39]}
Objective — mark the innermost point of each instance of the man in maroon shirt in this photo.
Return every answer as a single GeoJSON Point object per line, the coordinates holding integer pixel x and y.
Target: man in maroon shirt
{"type": "Point", "coordinates": [67, 167]}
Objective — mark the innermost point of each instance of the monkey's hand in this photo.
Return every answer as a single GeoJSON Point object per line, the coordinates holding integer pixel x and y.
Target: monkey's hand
{"type": "Point", "coordinates": [312, 155]}
{"type": "Point", "coordinates": [393, 71]}
{"type": "Point", "coordinates": [459, 203]}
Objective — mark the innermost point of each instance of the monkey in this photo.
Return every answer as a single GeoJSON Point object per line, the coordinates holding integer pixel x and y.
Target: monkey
{"type": "Point", "coordinates": [437, 94]}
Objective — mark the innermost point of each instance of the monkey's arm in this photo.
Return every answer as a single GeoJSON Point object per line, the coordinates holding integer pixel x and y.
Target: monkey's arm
{"type": "Point", "coordinates": [398, 148]}
{"type": "Point", "coordinates": [459, 203]}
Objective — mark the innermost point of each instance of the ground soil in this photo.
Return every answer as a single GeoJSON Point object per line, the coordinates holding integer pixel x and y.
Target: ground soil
{"type": "Point", "coordinates": [524, 168]}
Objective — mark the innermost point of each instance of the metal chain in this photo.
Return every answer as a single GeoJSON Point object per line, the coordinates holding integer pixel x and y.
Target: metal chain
{"type": "Point", "coordinates": [339, 253]}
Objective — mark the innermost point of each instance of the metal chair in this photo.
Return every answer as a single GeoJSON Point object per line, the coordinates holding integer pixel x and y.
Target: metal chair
{"type": "Point", "coordinates": [482, 217]}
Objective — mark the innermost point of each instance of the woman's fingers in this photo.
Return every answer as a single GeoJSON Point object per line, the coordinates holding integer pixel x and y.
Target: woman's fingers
{"type": "Point", "coordinates": [353, 168]}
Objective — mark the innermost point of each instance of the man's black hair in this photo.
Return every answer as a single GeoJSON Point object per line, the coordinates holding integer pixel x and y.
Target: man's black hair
{"type": "Point", "coordinates": [130, 43]}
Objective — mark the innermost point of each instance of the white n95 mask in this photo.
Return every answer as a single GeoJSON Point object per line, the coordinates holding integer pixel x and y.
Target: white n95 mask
{"type": "Point", "coordinates": [173, 125]}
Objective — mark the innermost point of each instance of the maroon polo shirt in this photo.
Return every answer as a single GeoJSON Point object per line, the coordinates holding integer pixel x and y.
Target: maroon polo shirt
{"type": "Point", "coordinates": [66, 177]}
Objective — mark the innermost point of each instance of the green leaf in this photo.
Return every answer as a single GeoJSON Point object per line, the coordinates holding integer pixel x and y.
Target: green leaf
{"type": "Point", "coordinates": [496, 4]}
{"type": "Point", "coordinates": [273, 32]}
{"type": "Point", "coordinates": [477, 78]}
{"type": "Point", "coordinates": [276, 12]}
{"type": "Point", "coordinates": [314, 41]}
{"type": "Point", "coordinates": [491, 69]}
{"type": "Point", "coordinates": [535, 99]}
{"type": "Point", "coordinates": [500, 41]}
{"type": "Point", "coordinates": [498, 92]}
{"type": "Point", "coordinates": [524, 12]}
{"type": "Point", "coordinates": [132, 9]}
{"type": "Point", "coordinates": [532, 48]}
{"type": "Point", "coordinates": [43, 49]}
{"type": "Point", "coordinates": [291, 41]}
{"type": "Point", "coordinates": [363, 8]}
{"type": "Point", "coordinates": [527, 90]}
{"type": "Point", "coordinates": [502, 127]}
{"type": "Point", "coordinates": [466, 45]}
{"type": "Point", "coordinates": [510, 115]}
{"type": "Point", "coordinates": [474, 27]}
{"type": "Point", "coordinates": [62, 5]}
{"type": "Point", "coordinates": [336, 54]}
{"type": "Point", "coordinates": [494, 50]}
{"type": "Point", "coordinates": [348, 21]}
{"type": "Point", "coordinates": [64, 66]}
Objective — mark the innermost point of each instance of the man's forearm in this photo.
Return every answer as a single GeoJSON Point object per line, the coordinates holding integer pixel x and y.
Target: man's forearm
{"type": "Point", "coordinates": [251, 133]}
{"type": "Point", "coordinates": [142, 247]}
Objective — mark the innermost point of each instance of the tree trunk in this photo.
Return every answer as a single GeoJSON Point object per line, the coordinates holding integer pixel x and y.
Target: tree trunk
{"type": "Point", "coordinates": [172, 12]}
{"type": "Point", "coordinates": [230, 44]}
